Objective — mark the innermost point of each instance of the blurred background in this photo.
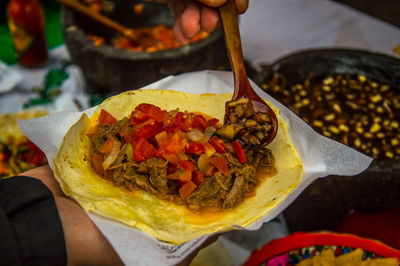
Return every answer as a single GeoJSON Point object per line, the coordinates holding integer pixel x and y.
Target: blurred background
{"type": "Point", "coordinates": [309, 54]}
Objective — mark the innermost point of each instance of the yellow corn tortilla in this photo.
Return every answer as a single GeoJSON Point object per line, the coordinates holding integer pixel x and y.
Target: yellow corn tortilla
{"type": "Point", "coordinates": [159, 218]}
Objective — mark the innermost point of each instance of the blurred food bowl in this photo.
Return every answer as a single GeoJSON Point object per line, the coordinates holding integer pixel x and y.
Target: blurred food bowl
{"type": "Point", "coordinates": [110, 70]}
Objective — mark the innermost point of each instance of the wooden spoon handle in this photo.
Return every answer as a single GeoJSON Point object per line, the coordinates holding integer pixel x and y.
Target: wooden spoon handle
{"type": "Point", "coordinates": [230, 26]}
{"type": "Point", "coordinates": [98, 17]}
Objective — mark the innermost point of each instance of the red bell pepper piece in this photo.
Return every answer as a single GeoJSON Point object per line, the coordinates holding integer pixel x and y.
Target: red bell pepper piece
{"type": "Point", "coordinates": [197, 177]}
{"type": "Point", "coordinates": [211, 170]}
{"type": "Point", "coordinates": [162, 138]}
{"type": "Point", "coordinates": [106, 118]}
{"type": "Point", "coordinates": [212, 121]}
{"type": "Point", "coordinates": [145, 111]}
{"type": "Point", "coordinates": [221, 163]}
{"type": "Point", "coordinates": [187, 165]}
{"type": "Point", "coordinates": [97, 160]}
{"type": "Point", "coordinates": [237, 149]}
{"type": "Point", "coordinates": [195, 147]}
{"type": "Point", "coordinates": [129, 137]}
{"type": "Point", "coordinates": [148, 131]}
{"type": "Point", "coordinates": [178, 122]}
{"type": "Point", "coordinates": [199, 122]}
{"type": "Point", "coordinates": [176, 143]}
{"type": "Point", "coordinates": [209, 149]}
{"type": "Point", "coordinates": [217, 144]}
{"type": "Point", "coordinates": [168, 156]}
{"type": "Point", "coordinates": [143, 150]}
{"type": "Point", "coordinates": [187, 189]}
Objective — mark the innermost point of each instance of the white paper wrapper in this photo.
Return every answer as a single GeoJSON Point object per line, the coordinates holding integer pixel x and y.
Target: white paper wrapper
{"type": "Point", "coordinates": [320, 157]}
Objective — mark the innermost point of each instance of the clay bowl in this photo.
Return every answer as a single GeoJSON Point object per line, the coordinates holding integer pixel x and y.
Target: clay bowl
{"type": "Point", "coordinates": [109, 70]}
{"type": "Point", "coordinates": [326, 202]}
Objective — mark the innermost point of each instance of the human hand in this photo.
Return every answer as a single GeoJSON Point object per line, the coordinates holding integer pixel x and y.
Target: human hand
{"type": "Point", "coordinates": [193, 16]}
{"type": "Point", "coordinates": [85, 244]}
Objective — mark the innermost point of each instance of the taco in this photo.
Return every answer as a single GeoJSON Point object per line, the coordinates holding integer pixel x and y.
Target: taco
{"type": "Point", "coordinates": [17, 152]}
{"type": "Point", "coordinates": [150, 159]}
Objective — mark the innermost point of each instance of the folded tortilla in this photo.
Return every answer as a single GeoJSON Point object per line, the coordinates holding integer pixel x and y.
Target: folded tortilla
{"type": "Point", "coordinates": [162, 219]}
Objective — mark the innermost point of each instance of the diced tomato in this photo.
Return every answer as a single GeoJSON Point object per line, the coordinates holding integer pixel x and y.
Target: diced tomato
{"type": "Point", "coordinates": [237, 149]}
{"type": "Point", "coordinates": [209, 149]}
{"type": "Point", "coordinates": [187, 165]}
{"type": "Point", "coordinates": [176, 143]}
{"type": "Point", "coordinates": [197, 177]}
{"type": "Point", "coordinates": [168, 156]}
{"type": "Point", "coordinates": [162, 138]}
{"type": "Point", "coordinates": [217, 144]}
{"type": "Point", "coordinates": [212, 121]}
{"type": "Point", "coordinates": [138, 155]}
{"type": "Point", "coordinates": [106, 118]}
{"type": "Point", "coordinates": [195, 148]}
{"type": "Point", "coordinates": [187, 189]}
{"type": "Point", "coordinates": [150, 111]}
{"type": "Point", "coordinates": [221, 163]}
{"type": "Point", "coordinates": [199, 122]}
{"type": "Point", "coordinates": [107, 146]}
{"type": "Point", "coordinates": [97, 160]}
{"type": "Point", "coordinates": [211, 170]}
{"type": "Point", "coordinates": [143, 150]}
{"type": "Point", "coordinates": [148, 131]}
{"type": "Point", "coordinates": [129, 137]}
{"type": "Point", "coordinates": [178, 122]}
{"type": "Point", "coordinates": [135, 120]}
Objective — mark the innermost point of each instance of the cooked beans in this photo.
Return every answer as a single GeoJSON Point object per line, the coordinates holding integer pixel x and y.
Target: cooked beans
{"type": "Point", "coordinates": [354, 110]}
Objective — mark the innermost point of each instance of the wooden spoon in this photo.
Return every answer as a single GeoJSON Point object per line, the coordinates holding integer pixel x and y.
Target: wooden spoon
{"type": "Point", "coordinates": [141, 39]}
{"type": "Point", "coordinates": [229, 21]}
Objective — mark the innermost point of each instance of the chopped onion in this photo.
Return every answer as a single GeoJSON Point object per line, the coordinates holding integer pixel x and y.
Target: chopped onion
{"type": "Point", "coordinates": [112, 156]}
{"type": "Point", "coordinates": [173, 112]}
{"type": "Point", "coordinates": [210, 131]}
{"type": "Point", "coordinates": [203, 163]}
{"type": "Point", "coordinates": [195, 134]}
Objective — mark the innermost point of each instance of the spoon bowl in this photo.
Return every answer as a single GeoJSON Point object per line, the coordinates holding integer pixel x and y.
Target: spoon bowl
{"type": "Point", "coordinates": [242, 87]}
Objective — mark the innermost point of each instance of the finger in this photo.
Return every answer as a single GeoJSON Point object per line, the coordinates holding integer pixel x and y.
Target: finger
{"type": "Point", "coordinates": [190, 20]}
{"type": "Point", "coordinates": [209, 19]}
{"type": "Point", "coordinates": [241, 6]}
{"type": "Point", "coordinates": [179, 36]}
{"type": "Point", "coordinates": [213, 3]}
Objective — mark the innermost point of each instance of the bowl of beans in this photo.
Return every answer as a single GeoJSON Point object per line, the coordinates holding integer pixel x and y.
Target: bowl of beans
{"type": "Point", "coordinates": [353, 97]}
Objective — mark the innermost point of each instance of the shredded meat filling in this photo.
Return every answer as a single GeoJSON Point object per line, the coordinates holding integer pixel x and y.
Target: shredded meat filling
{"type": "Point", "coordinates": [220, 189]}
